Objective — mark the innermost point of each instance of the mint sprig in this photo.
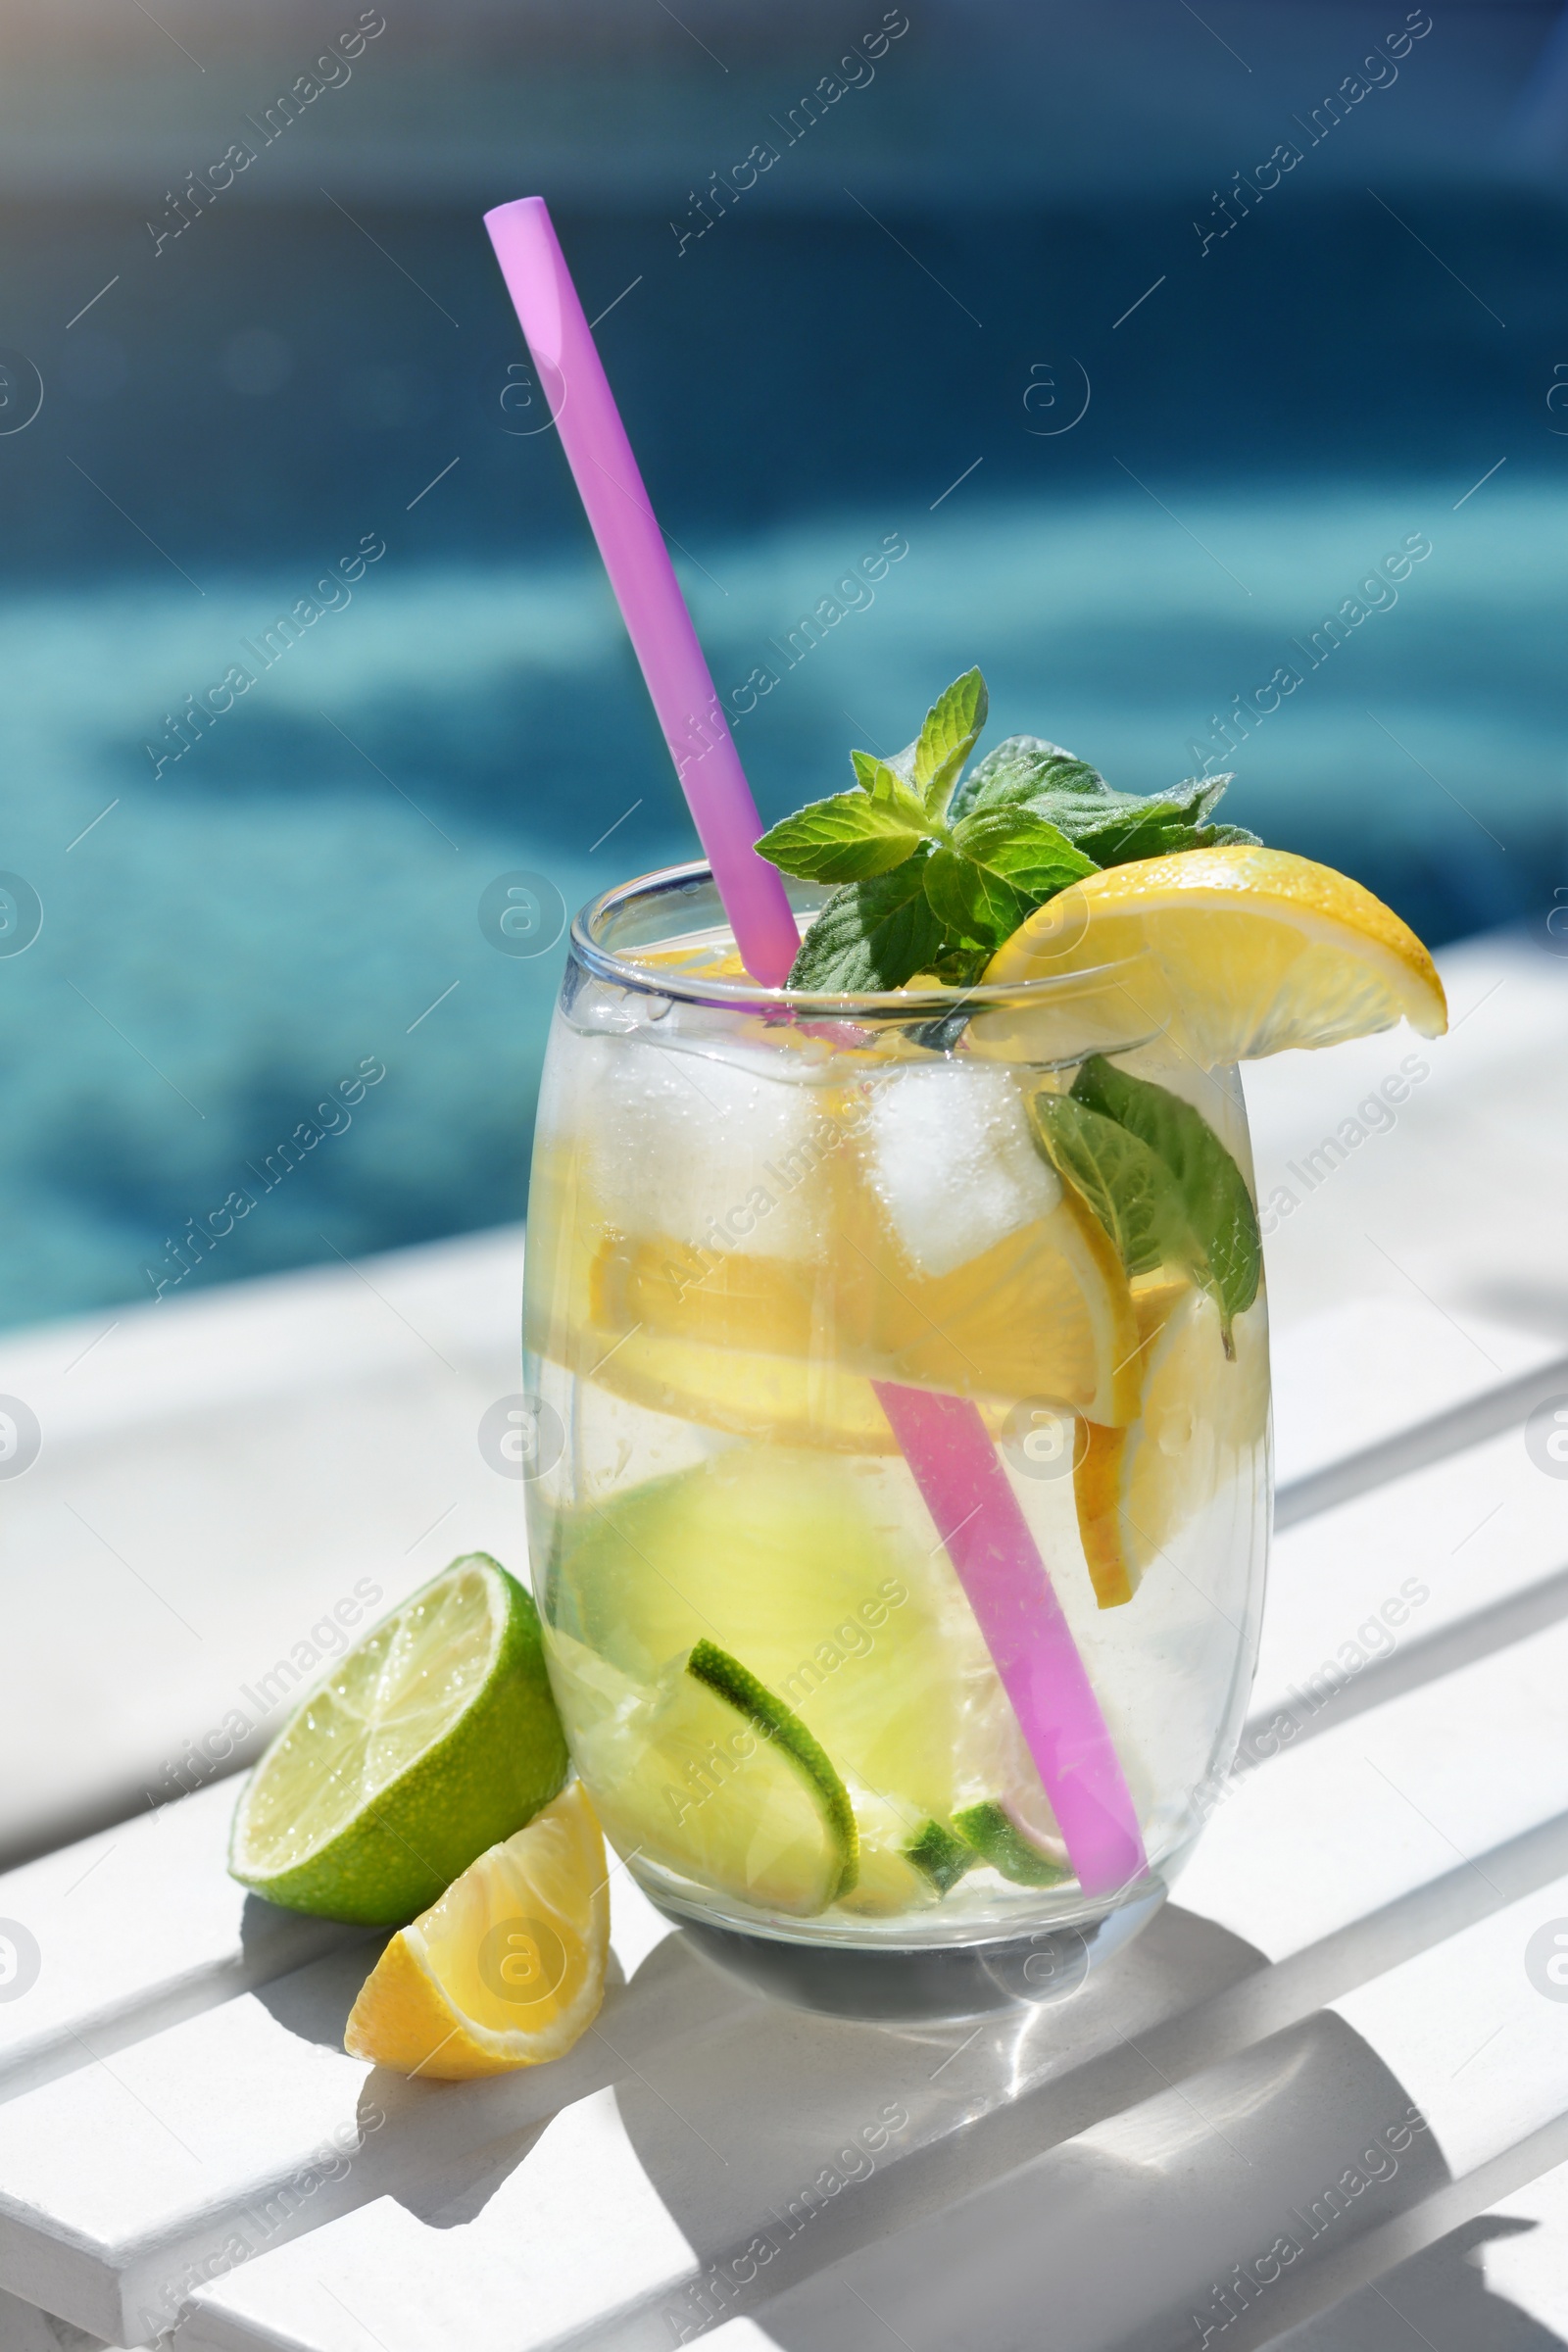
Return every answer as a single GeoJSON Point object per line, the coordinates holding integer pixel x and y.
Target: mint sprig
{"type": "Point", "coordinates": [883, 925]}
{"type": "Point", "coordinates": [935, 870]}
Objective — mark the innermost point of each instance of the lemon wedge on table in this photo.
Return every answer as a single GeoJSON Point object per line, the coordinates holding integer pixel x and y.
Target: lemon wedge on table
{"type": "Point", "coordinates": [508, 1969]}
{"type": "Point", "coordinates": [1236, 952]}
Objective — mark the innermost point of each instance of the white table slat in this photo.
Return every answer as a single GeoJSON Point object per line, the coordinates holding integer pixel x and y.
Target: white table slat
{"type": "Point", "coordinates": [1357, 1374]}
{"type": "Point", "coordinates": [1328, 1833]}
{"type": "Point", "coordinates": [23, 2328]}
{"type": "Point", "coordinates": [249, 2122]}
{"type": "Point", "coordinates": [1418, 1558]}
{"type": "Point", "coordinates": [513, 2269]}
{"type": "Point", "coordinates": [1497, 2283]}
{"type": "Point", "coordinates": [1275, 1856]}
{"type": "Point", "coordinates": [1480, 2048]}
{"type": "Point", "coordinates": [135, 1929]}
{"type": "Point", "coordinates": [1332, 2132]}
{"type": "Point", "coordinates": [220, 1472]}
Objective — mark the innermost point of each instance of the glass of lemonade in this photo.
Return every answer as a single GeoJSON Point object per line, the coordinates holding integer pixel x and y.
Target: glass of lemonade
{"type": "Point", "coordinates": [747, 1210]}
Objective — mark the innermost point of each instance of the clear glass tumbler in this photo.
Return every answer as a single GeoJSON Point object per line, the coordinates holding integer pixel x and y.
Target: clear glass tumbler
{"type": "Point", "coordinates": [749, 1214]}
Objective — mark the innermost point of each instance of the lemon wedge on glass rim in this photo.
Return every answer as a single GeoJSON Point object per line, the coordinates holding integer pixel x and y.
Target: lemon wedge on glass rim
{"type": "Point", "coordinates": [508, 1969]}
{"type": "Point", "coordinates": [1234, 951]}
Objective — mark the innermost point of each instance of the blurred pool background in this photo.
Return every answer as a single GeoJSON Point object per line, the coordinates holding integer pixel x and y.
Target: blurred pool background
{"type": "Point", "coordinates": [891, 335]}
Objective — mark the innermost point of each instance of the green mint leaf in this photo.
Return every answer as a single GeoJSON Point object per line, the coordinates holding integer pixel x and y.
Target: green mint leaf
{"type": "Point", "coordinates": [1215, 837]}
{"type": "Point", "coordinates": [902, 763]}
{"type": "Point", "coordinates": [875, 933]}
{"type": "Point", "coordinates": [1129, 827]}
{"type": "Point", "coordinates": [1215, 1202]}
{"type": "Point", "coordinates": [1026, 769]}
{"type": "Point", "coordinates": [1002, 864]}
{"type": "Point", "coordinates": [1111, 827]}
{"type": "Point", "coordinates": [1024, 850]}
{"type": "Point", "coordinates": [1122, 1180]}
{"type": "Point", "coordinates": [962, 968]}
{"type": "Point", "coordinates": [949, 735]}
{"type": "Point", "coordinates": [850, 838]}
{"type": "Point", "coordinates": [888, 788]}
{"type": "Point", "coordinates": [973, 906]}
{"type": "Point", "coordinates": [933, 870]}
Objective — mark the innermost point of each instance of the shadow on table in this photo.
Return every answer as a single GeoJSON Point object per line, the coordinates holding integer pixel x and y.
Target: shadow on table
{"type": "Point", "coordinates": [960, 2184]}
{"type": "Point", "coordinates": [1439, 2298]}
{"type": "Point", "coordinates": [314, 2002]}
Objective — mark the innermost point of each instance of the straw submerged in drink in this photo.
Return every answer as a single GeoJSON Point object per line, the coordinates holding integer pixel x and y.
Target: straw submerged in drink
{"type": "Point", "coordinates": [943, 1437]}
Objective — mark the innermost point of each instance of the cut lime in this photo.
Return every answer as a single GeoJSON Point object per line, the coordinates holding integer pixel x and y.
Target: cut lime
{"type": "Point", "coordinates": [886, 1883]}
{"type": "Point", "coordinates": [821, 1574]}
{"type": "Point", "coordinates": [941, 1858]}
{"type": "Point", "coordinates": [712, 1775]}
{"type": "Point", "coordinates": [433, 1739]}
{"type": "Point", "coordinates": [998, 1840]}
{"type": "Point", "coordinates": [778, 1724]}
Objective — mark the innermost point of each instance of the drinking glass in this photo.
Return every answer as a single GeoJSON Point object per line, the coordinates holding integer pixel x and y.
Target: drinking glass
{"type": "Point", "coordinates": [747, 1210]}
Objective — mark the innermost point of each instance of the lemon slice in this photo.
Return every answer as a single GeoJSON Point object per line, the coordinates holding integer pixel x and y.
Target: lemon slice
{"type": "Point", "coordinates": [508, 1969]}
{"type": "Point", "coordinates": [1237, 951]}
{"type": "Point", "coordinates": [1043, 1312]}
{"type": "Point", "coordinates": [1203, 1414]}
{"type": "Point", "coordinates": [742, 1348]}
{"type": "Point", "coordinates": [794, 1400]}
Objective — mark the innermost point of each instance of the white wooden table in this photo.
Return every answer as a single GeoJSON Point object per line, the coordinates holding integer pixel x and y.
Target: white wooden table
{"type": "Point", "coordinates": [1323, 2100]}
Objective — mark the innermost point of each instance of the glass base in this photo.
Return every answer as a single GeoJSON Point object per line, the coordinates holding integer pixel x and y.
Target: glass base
{"type": "Point", "coordinates": [905, 1984]}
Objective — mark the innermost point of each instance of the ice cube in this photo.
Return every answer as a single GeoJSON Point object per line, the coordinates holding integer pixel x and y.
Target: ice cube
{"type": "Point", "coordinates": [952, 1164]}
{"type": "Point", "coordinates": [716, 1155]}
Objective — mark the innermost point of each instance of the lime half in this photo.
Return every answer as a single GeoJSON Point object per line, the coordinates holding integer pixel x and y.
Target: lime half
{"type": "Point", "coordinates": [433, 1739]}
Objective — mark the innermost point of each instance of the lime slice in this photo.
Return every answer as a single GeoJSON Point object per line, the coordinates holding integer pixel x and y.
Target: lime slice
{"type": "Point", "coordinates": [790, 1742]}
{"type": "Point", "coordinates": [997, 1838]}
{"type": "Point", "coordinates": [433, 1739]}
{"type": "Point", "coordinates": [939, 1856]}
{"type": "Point", "coordinates": [817, 1572]}
{"type": "Point", "coordinates": [907, 1860]}
{"type": "Point", "coordinates": [711, 1775]}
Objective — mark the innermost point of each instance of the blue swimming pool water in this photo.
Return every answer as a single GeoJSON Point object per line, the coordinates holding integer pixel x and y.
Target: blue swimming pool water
{"type": "Point", "coordinates": [295, 900]}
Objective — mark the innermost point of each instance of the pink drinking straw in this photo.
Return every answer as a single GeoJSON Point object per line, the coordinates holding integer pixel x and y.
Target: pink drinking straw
{"type": "Point", "coordinates": [944, 1439]}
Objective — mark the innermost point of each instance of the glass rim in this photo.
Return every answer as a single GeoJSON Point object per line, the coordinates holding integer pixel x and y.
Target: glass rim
{"type": "Point", "coordinates": [744, 994]}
